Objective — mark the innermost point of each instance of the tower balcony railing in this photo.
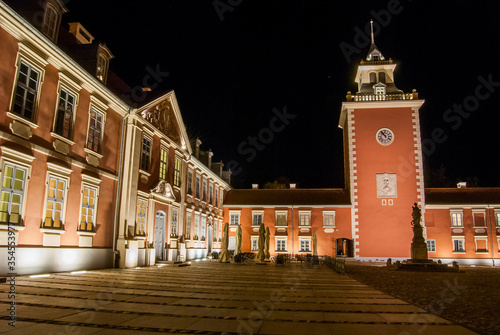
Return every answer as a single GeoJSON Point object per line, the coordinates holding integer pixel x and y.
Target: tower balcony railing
{"type": "Point", "coordinates": [376, 62]}
{"type": "Point", "coordinates": [382, 97]}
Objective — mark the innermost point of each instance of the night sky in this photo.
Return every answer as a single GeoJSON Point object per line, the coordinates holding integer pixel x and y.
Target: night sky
{"type": "Point", "coordinates": [235, 67]}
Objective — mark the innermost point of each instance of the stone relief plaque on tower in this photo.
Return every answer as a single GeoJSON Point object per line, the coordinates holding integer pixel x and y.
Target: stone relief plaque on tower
{"type": "Point", "coordinates": [386, 185]}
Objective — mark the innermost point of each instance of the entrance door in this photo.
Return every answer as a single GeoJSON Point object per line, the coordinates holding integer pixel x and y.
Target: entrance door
{"type": "Point", "coordinates": [160, 235]}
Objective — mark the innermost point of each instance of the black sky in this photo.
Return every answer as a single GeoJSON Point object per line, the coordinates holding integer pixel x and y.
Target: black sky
{"type": "Point", "coordinates": [230, 74]}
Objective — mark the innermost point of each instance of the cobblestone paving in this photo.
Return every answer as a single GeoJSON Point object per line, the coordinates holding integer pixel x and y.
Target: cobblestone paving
{"type": "Point", "coordinates": [211, 298]}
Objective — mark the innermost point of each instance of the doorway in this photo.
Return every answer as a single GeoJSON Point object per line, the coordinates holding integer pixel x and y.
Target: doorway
{"type": "Point", "coordinates": [160, 223]}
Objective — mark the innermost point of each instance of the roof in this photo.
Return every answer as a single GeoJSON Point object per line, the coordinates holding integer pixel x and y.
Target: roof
{"type": "Point", "coordinates": [462, 196]}
{"type": "Point", "coordinates": [285, 197]}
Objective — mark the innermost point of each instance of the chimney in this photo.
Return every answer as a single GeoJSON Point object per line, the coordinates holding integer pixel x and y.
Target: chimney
{"type": "Point", "coordinates": [462, 184]}
{"type": "Point", "coordinates": [293, 186]}
{"type": "Point", "coordinates": [255, 186]}
{"type": "Point", "coordinates": [209, 160]}
{"type": "Point", "coordinates": [81, 34]}
{"type": "Point", "coordinates": [197, 151]}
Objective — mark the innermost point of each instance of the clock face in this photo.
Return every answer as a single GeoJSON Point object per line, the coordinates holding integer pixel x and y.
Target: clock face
{"type": "Point", "coordinates": [385, 136]}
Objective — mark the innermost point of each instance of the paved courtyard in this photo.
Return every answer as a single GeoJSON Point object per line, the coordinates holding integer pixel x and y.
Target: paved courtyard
{"type": "Point", "coordinates": [211, 298]}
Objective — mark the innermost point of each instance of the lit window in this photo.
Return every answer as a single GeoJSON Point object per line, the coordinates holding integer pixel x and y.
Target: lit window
{"type": "Point", "coordinates": [175, 217]}
{"type": "Point", "coordinates": [140, 224]}
{"type": "Point", "coordinates": [198, 187]}
{"type": "Point", "coordinates": [55, 203]}
{"type": "Point", "coordinates": [102, 68]}
{"type": "Point", "coordinates": [281, 219]}
{"type": "Point", "coordinates": [50, 22]}
{"type": "Point", "coordinates": [458, 245]}
{"type": "Point", "coordinates": [196, 226]}
{"type": "Point", "coordinates": [163, 163]}
{"type": "Point", "coordinates": [26, 91]}
{"type": "Point", "coordinates": [257, 219]}
{"type": "Point", "coordinates": [177, 172]}
{"type": "Point", "coordinates": [280, 244]}
{"type": "Point", "coordinates": [204, 194]}
{"type": "Point", "coordinates": [255, 243]}
{"type": "Point", "coordinates": [304, 219]}
{"type": "Point", "coordinates": [64, 116]}
{"type": "Point", "coordinates": [234, 219]}
{"type": "Point", "coordinates": [188, 226]}
{"type": "Point", "coordinates": [431, 245]}
{"type": "Point", "coordinates": [379, 89]}
{"type": "Point", "coordinates": [145, 154]}
{"type": "Point", "coordinates": [13, 183]}
{"type": "Point", "coordinates": [456, 220]}
{"type": "Point", "coordinates": [190, 182]}
{"type": "Point", "coordinates": [328, 219]}
{"type": "Point", "coordinates": [88, 209]}
{"type": "Point", "coordinates": [95, 131]}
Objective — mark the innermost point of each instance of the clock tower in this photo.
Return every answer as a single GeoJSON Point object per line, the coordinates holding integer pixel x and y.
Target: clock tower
{"type": "Point", "coordinates": [382, 159]}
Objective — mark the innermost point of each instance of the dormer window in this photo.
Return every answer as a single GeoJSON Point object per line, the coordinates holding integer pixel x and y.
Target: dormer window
{"type": "Point", "coordinates": [103, 57]}
{"type": "Point", "coordinates": [54, 9]}
{"type": "Point", "coordinates": [379, 88]}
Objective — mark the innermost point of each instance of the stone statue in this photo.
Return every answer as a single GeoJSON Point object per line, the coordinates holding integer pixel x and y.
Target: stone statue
{"type": "Point", "coordinates": [416, 214]}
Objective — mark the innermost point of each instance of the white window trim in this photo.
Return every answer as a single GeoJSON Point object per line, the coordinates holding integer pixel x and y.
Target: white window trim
{"type": "Point", "coordinates": [307, 213]}
{"type": "Point", "coordinates": [276, 238]}
{"type": "Point", "coordinates": [456, 211]}
{"type": "Point", "coordinates": [476, 212]}
{"type": "Point", "coordinates": [150, 139]}
{"type": "Point", "coordinates": [67, 84]}
{"type": "Point", "coordinates": [178, 156]}
{"type": "Point", "coordinates": [276, 213]}
{"type": "Point", "coordinates": [238, 213]}
{"type": "Point", "coordinates": [145, 200]}
{"type": "Point", "coordinates": [326, 213]}
{"type": "Point", "coordinates": [497, 219]}
{"type": "Point", "coordinates": [481, 238]}
{"type": "Point", "coordinates": [252, 239]}
{"type": "Point", "coordinates": [196, 227]}
{"type": "Point", "coordinates": [31, 58]}
{"type": "Point", "coordinates": [56, 171]}
{"type": "Point", "coordinates": [305, 238]}
{"type": "Point", "coordinates": [187, 234]}
{"type": "Point", "coordinates": [88, 181]}
{"type": "Point", "coordinates": [457, 238]}
{"type": "Point", "coordinates": [435, 248]}
{"type": "Point", "coordinates": [99, 107]}
{"type": "Point", "coordinates": [257, 212]}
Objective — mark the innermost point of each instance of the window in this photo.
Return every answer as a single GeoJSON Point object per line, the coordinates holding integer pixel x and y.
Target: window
{"type": "Point", "coordinates": [304, 219]}
{"type": "Point", "coordinates": [204, 191]}
{"type": "Point", "coordinates": [189, 217]}
{"type": "Point", "coordinates": [203, 227]}
{"type": "Point", "coordinates": [50, 22]}
{"type": "Point", "coordinates": [479, 220]}
{"type": "Point", "coordinates": [257, 219]}
{"type": "Point", "coordinates": [255, 243]}
{"type": "Point", "coordinates": [498, 219]}
{"type": "Point", "coordinates": [234, 219]}
{"type": "Point", "coordinates": [305, 245]}
{"type": "Point", "coordinates": [281, 219]}
{"type": "Point", "coordinates": [190, 182]}
{"type": "Point", "coordinates": [64, 114]}
{"type": "Point", "coordinates": [373, 78]}
{"type": "Point", "coordinates": [145, 154]}
{"type": "Point", "coordinates": [177, 172]}
{"type": "Point", "coordinates": [458, 245]}
{"type": "Point", "coordinates": [232, 243]}
{"type": "Point", "coordinates": [431, 245]}
{"type": "Point", "coordinates": [55, 203]}
{"type": "Point", "coordinates": [221, 198]}
{"type": "Point", "coordinates": [328, 219]}
{"type": "Point", "coordinates": [95, 130]}
{"type": "Point", "coordinates": [102, 68]}
{"type": "Point", "coordinates": [381, 77]}
{"type": "Point", "coordinates": [456, 219]}
{"type": "Point", "coordinates": [11, 201]}
{"type": "Point", "coordinates": [196, 226]}
{"type": "Point", "coordinates": [198, 187]}
{"type": "Point", "coordinates": [88, 209]}
{"type": "Point", "coordinates": [140, 223]}
{"type": "Point", "coordinates": [481, 244]}
{"type": "Point", "coordinates": [26, 91]}
{"type": "Point", "coordinates": [216, 197]}
{"type": "Point", "coordinates": [379, 89]}
{"type": "Point", "coordinates": [215, 230]}
{"type": "Point", "coordinates": [163, 163]}
{"type": "Point", "coordinates": [175, 217]}
{"type": "Point", "coordinates": [210, 194]}
{"type": "Point", "coordinates": [281, 244]}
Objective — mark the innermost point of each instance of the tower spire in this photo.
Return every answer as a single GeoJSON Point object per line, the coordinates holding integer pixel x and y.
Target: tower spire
{"type": "Point", "coordinates": [374, 53]}
{"type": "Point", "coordinates": [371, 24]}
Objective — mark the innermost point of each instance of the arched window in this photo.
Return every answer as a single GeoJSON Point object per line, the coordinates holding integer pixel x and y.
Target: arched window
{"type": "Point", "coordinates": [102, 68]}
{"type": "Point", "coordinates": [50, 21]}
{"type": "Point", "coordinates": [381, 77]}
{"type": "Point", "coordinates": [373, 77]}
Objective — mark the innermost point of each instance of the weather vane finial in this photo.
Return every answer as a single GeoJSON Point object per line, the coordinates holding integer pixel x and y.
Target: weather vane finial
{"type": "Point", "coordinates": [371, 24]}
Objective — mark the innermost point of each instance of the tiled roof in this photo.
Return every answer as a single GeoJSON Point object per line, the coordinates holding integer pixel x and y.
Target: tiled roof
{"type": "Point", "coordinates": [464, 195]}
{"type": "Point", "coordinates": [304, 197]}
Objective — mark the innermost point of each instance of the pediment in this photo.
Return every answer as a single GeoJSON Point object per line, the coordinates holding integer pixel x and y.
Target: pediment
{"type": "Point", "coordinates": [164, 189]}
